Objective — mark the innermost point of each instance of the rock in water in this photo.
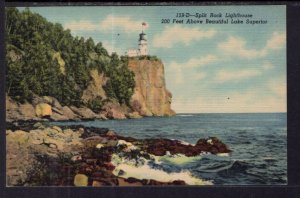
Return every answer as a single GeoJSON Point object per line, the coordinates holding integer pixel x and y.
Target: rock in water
{"type": "Point", "coordinates": [80, 180]}
{"type": "Point", "coordinates": [43, 110]}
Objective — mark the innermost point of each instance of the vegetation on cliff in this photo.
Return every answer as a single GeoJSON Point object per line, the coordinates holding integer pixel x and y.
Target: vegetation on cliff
{"type": "Point", "coordinates": [45, 59]}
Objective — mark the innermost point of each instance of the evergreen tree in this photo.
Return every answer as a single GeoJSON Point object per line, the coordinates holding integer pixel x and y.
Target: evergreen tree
{"type": "Point", "coordinates": [44, 59]}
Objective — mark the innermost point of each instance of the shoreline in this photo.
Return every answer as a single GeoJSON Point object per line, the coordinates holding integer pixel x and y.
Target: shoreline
{"type": "Point", "coordinates": [90, 156]}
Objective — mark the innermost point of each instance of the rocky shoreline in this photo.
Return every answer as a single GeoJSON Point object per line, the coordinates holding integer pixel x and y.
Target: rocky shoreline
{"type": "Point", "coordinates": [39, 154]}
{"type": "Point", "coordinates": [46, 108]}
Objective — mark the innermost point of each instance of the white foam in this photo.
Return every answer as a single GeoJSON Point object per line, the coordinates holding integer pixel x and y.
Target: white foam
{"type": "Point", "coordinates": [129, 145]}
{"type": "Point", "coordinates": [178, 159]}
{"type": "Point", "coordinates": [184, 142]}
{"type": "Point", "coordinates": [185, 115]}
{"type": "Point", "coordinates": [223, 154]}
{"type": "Point", "coordinates": [209, 141]}
{"type": "Point", "coordinates": [144, 171]}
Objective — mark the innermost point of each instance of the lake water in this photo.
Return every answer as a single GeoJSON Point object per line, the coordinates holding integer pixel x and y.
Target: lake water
{"type": "Point", "coordinates": [258, 142]}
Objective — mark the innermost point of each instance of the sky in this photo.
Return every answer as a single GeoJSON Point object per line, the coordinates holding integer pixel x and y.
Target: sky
{"type": "Point", "coordinates": [209, 68]}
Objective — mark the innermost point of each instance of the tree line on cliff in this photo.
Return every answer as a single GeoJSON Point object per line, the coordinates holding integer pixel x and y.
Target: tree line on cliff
{"type": "Point", "coordinates": [45, 59]}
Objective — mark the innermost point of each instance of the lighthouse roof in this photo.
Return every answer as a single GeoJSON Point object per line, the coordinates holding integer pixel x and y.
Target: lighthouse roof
{"type": "Point", "coordinates": [143, 36]}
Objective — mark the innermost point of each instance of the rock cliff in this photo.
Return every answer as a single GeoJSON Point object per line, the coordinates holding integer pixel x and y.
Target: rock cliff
{"type": "Point", "coordinates": [151, 97]}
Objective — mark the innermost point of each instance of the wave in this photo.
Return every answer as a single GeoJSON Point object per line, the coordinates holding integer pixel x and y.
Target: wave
{"type": "Point", "coordinates": [142, 170]}
{"type": "Point", "coordinates": [235, 166]}
{"type": "Point", "coordinates": [223, 154]}
{"type": "Point", "coordinates": [152, 130]}
{"type": "Point", "coordinates": [185, 115]}
{"type": "Point", "coordinates": [146, 172]}
{"type": "Point", "coordinates": [177, 159]}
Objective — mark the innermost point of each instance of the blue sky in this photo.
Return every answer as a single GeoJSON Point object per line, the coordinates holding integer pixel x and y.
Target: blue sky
{"type": "Point", "coordinates": [205, 64]}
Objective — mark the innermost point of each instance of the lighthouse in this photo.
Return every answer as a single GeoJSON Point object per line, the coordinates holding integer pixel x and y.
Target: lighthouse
{"type": "Point", "coordinates": [142, 45]}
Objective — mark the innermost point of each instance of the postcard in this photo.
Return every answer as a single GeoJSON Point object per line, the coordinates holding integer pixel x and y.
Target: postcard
{"type": "Point", "coordinates": [146, 95]}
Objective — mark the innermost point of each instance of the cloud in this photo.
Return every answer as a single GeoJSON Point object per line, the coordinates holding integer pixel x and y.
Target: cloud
{"type": "Point", "coordinates": [237, 46]}
{"type": "Point", "coordinates": [110, 47]}
{"type": "Point", "coordinates": [172, 35]}
{"type": "Point", "coordinates": [278, 87]}
{"type": "Point", "coordinates": [82, 25]}
{"type": "Point", "coordinates": [199, 76]}
{"type": "Point", "coordinates": [236, 75]}
{"type": "Point", "coordinates": [176, 70]}
{"type": "Point", "coordinates": [267, 66]}
{"type": "Point", "coordinates": [239, 102]}
{"type": "Point", "coordinates": [197, 62]}
{"type": "Point", "coordinates": [107, 24]}
{"type": "Point", "coordinates": [124, 22]}
{"type": "Point", "coordinates": [277, 41]}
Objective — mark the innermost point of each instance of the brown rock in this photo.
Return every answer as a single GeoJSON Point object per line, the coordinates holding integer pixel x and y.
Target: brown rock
{"type": "Point", "coordinates": [150, 98]}
{"type": "Point", "coordinates": [58, 117]}
{"type": "Point", "coordinates": [80, 180]}
{"type": "Point", "coordinates": [27, 110]}
{"type": "Point", "coordinates": [110, 133]}
{"type": "Point", "coordinates": [43, 109]}
{"type": "Point", "coordinates": [179, 182]}
{"type": "Point", "coordinates": [97, 184]}
{"type": "Point", "coordinates": [134, 115]}
{"type": "Point", "coordinates": [67, 112]}
{"type": "Point", "coordinates": [125, 182]}
{"type": "Point", "coordinates": [53, 102]}
{"type": "Point", "coordinates": [159, 147]}
{"type": "Point", "coordinates": [84, 112]}
{"type": "Point", "coordinates": [113, 110]}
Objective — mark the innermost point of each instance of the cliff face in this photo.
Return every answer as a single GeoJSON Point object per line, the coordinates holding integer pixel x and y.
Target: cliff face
{"type": "Point", "coordinates": [151, 97]}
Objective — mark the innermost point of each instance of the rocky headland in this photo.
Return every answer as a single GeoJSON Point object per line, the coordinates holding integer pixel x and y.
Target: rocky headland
{"type": "Point", "coordinates": [39, 154]}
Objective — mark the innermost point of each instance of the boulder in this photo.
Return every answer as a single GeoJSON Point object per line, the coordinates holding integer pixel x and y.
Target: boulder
{"type": "Point", "coordinates": [160, 147]}
{"type": "Point", "coordinates": [110, 133]}
{"type": "Point", "coordinates": [38, 125]}
{"type": "Point", "coordinates": [46, 99]}
{"type": "Point", "coordinates": [58, 129]}
{"type": "Point", "coordinates": [17, 136]}
{"type": "Point", "coordinates": [113, 110]}
{"type": "Point", "coordinates": [58, 111]}
{"type": "Point", "coordinates": [67, 112]}
{"type": "Point", "coordinates": [134, 115]}
{"type": "Point", "coordinates": [97, 184]}
{"type": "Point", "coordinates": [26, 111]}
{"type": "Point", "coordinates": [52, 101]}
{"type": "Point", "coordinates": [84, 112]}
{"type": "Point", "coordinates": [43, 110]}
{"type": "Point", "coordinates": [102, 117]}
{"type": "Point", "coordinates": [80, 180]}
{"type": "Point", "coordinates": [58, 117]}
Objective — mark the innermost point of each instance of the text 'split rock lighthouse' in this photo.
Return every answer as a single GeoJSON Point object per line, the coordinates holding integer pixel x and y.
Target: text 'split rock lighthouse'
{"type": "Point", "coordinates": [143, 45]}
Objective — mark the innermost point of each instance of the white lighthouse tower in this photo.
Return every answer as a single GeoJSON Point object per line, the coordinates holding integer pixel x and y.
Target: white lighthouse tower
{"type": "Point", "coordinates": [142, 45]}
